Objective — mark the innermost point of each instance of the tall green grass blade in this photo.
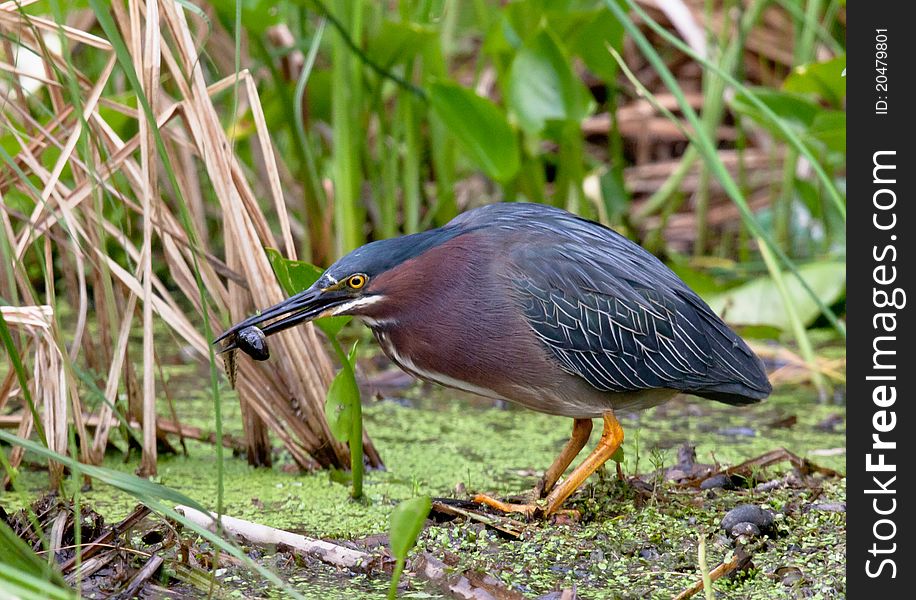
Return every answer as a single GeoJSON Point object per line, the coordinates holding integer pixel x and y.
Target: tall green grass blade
{"type": "Point", "coordinates": [19, 584]}
{"type": "Point", "coordinates": [19, 557]}
{"type": "Point", "coordinates": [834, 193]}
{"type": "Point", "coordinates": [347, 99]}
{"type": "Point", "coordinates": [708, 150]}
{"type": "Point", "coordinates": [158, 498]}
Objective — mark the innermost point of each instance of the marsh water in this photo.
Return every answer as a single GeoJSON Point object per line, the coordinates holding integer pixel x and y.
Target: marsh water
{"type": "Point", "coordinates": [445, 443]}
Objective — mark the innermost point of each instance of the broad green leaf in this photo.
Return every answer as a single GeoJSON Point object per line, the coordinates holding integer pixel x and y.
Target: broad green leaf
{"type": "Point", "coordinates": [825, 79]}
{"type": "Point", "coordinates": [480, 128]}
{"type": "Point", "coordinates": [588, 30]}
{"type": "Point", "coordinates": [795, 110]}
{"type": "Point", "coordinates": [257, 15]}
{"type": "Point", "coordinates": [829, 128]}
{"type": "Point", "coordinates": [543, 87]}
{"type": "Point", "coordinates": [758, 302]}
{"type": "Point", "coordinates": [342, 396]}
{"type": "Point", "coordinates": [520, 20]}
{"type": "Point", "coordinates": [407, 520]}
{"type": "Point", "coordinates": [699, 281]}
{"type": "Point", "coordinates": [397, 42]}
{"type": "Point", "coordinates": [295, 276]}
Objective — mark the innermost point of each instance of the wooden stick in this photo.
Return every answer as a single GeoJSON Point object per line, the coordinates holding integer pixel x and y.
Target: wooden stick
{"type": "Point", "coordinates": [720, 571]}
{"type": "Point", "coordinates": [165, 426]}
{"type": "Point", "coordinates": [143, 575]}
{"type": "Point", "coordinates": [262, 535]}
{"type": "Point", "coordinates": [107, 538]}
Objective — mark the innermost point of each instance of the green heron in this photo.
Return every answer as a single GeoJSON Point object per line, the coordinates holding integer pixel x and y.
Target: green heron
{"type": "Point", "coordinates": [532, 304]}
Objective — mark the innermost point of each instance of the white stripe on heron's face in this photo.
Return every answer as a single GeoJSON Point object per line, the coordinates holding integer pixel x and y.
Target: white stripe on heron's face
{"type": "Point", "coordinates": [355, 303]}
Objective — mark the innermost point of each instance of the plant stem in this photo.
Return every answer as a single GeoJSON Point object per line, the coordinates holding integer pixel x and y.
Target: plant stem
{"type": "Point", "coordinates": [348, 218]}
{"type": "Point", "coordinates": [396, 578]}
{"type": "Point", "coordinates": [798, 328]}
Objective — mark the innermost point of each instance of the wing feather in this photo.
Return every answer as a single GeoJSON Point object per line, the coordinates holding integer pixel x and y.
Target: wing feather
{"type": "Point", "coordinates": [614, 315]}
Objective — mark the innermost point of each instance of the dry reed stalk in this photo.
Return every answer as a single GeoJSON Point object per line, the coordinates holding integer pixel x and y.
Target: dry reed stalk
{"type": "Point", "coordinates": [284, 396]}
{"type": "Point", "coordinates": [48, 385]}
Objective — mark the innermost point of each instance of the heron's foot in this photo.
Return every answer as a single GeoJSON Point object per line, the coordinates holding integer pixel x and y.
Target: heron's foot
{"type": "Point", "coordinates": [529, 510]}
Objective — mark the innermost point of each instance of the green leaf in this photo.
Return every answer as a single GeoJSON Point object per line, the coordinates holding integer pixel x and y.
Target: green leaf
{"type": "Point", "coordinates": [829, 128]}
{"type": "Point", "coordinates": [295, 276]}
{"type": "Point", "coordinates": [795, 110]}
{"type": "Point", "coordinates": [759, 302]}
{"type": "Point", "coordinates": [543, 87]}
{"type": "Point", "coordinates": [23, 585]}
{"type": "Point", "coordinates": [18, 556]}
{"type": "Point", "coordinates": [818, 127]}
{"type": "Point", "coordinates": [142, 489]}
{"type": "Point", "coordinates": [824, 79]}
{"type": "Point", "coordinates": [699, 281]}
{"type": "Point", "coordinates": [619, 455]}
{"type": "Point", "coordinates": [397, 42]}
{"type": "Point", "coordinates": [407, 521]}
{"type": "Point", "coordinates": [480, 128]}
{"type": "Point", "coordinates": [588, 33]}
{"type": "Point", "coordinates": [342, 396]}
{"type": "Point", "coordinates": [257, 15]}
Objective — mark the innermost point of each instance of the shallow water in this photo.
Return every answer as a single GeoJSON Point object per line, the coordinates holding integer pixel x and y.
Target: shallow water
{"type": "Point", "coordinates": [435, 442]}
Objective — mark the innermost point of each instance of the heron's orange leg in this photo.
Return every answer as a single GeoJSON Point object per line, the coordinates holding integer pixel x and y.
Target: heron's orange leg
{"type": "Point", "coordinates": [582, 429]}
{"type": "Point", "coordinates": [610, 441]}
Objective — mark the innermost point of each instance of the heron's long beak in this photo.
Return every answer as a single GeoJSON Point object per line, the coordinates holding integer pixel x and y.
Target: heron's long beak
{"type": "Point", "coordinates": [300, 308]}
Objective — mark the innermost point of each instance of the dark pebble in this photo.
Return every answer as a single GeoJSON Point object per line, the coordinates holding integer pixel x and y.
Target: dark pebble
{"type": "Point", "coordinates": [649, 554]}
{"type": "Point", "coordinates": [745, 528]}
{"type": "Point", "coordinates": [748, 513]}
{"type": "Point", "coordinates": [717, 481]}
{"type": "Point", "coordinates": [252, 342]}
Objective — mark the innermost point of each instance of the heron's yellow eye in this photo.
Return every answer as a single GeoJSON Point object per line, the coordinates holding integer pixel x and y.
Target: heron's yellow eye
{"type": "Point", "coordinates": [357, 281]}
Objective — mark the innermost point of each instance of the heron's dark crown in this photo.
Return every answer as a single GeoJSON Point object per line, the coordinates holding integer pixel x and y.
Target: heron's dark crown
{"type": "Point", "coordinates": [377, 257]}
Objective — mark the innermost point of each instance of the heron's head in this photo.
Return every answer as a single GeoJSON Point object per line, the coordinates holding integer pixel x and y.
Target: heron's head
{"type": "Point", "coordinates": [351, 286]}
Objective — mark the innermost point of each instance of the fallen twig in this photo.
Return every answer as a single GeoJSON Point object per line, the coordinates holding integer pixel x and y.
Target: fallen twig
{"type": "Point", "coordinates": [804, 466]}
{"type": "Point", "coordinates": [262, 535]}
{"type": "Point", "coordinates": [105, 540]}
{"type": "Point", "coordinates": [152, 565]}
{"type": "Point", "coordinates": [747, 468]}
{"type": "Point", "coordinates": [510, 527]}
{"type": "Point", "coordinates": [737, 561]}
{"type": "Point", "coordinates": [164, 426]}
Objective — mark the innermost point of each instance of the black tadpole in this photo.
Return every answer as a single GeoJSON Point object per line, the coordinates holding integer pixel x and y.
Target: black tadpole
{"type": "Point", "coordinates": [252, 342]}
